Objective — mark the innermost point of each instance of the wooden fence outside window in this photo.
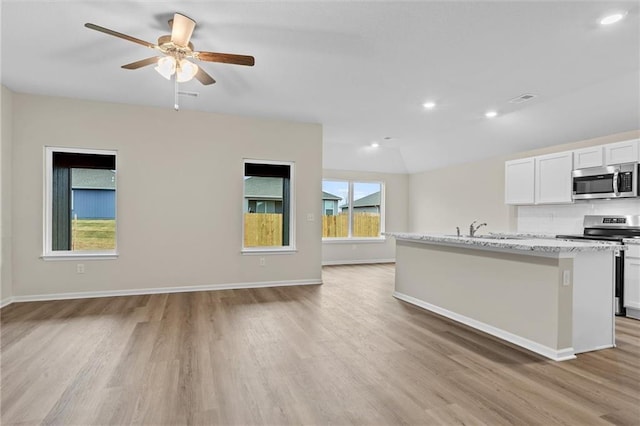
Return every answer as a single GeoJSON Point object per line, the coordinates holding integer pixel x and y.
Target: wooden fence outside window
{"type": "Point", "coordinates": [262, 229]}
{"type": "Point", "coordinates": [265, 229]}
{"type": "Point", "coordinates": [365, 225]}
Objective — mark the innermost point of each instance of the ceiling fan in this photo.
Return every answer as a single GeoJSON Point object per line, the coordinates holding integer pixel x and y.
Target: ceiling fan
{"type": "Point", "coordinates": [177, 50]}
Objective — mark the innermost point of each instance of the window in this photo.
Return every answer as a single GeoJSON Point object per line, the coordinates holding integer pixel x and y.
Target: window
{"type": "Point", "coordinates": [80, 202]}
{"type": "Point", "coordinates": [352, 209]}
{"type": "Point", "coordinates": [268, 206]}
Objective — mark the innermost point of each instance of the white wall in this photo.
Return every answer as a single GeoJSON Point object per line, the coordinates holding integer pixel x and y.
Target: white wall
{"type": "Point", "coordinates": [440, 200]}
{"type": "Point", "coordinates": [180, 184]}
{"type": "Point", "coordinates": [396, 219]}
{"type": "Point", "coordinates": [568, 218]}
{"type": "Point", "coordinates": [6, 122]}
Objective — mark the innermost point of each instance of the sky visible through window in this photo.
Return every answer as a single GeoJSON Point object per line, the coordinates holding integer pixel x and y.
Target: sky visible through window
{"type": "Point", "coordinates": [341, 189]}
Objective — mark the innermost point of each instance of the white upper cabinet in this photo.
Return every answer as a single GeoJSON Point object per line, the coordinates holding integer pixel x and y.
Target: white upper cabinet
{"type": "Point", "coordinates": [546, 179]}
{"type": "Point", "coordinates": [553, 182]}
{"type": "Point", "coordinates": [519, 181]}
{"type": "Point", "coordinates": [588, 157]}
{"type": "Point", "coordinates": [622, 152]}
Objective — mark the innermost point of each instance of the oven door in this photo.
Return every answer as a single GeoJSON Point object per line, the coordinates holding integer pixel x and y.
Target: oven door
{"type": "Point", "coordinates": [618, 181]}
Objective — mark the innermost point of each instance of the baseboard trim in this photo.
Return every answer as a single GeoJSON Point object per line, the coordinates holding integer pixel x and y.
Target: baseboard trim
{"type": "Point", "coordinates": [160, 290]}
{"type": "Point", "coordinates": [6, 302]}
{"type": "Point", "coordinates": [356, 262]}
{"type": "Point", "coordinates": [554, 354]}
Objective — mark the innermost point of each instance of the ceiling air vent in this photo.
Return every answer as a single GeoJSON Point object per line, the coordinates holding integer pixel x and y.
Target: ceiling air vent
{"type": "Point", "coordinates": [522, 98]}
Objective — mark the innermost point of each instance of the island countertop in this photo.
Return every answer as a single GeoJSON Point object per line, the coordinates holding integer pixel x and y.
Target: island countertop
{"type": "Point", "coordinates": [506, 242]}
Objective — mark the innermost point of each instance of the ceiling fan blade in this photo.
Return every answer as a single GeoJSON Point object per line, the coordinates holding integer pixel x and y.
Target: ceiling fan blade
{"type": "Point", "coordinates": [227, 58]}
{"type": "Point", "coordinates": [120, 35]}
{"type": "Point", "coordinates": [203, 77]}
{"type": "Point", "coordinates": [181, 29]}
{"type": "Point", "coordinates": [141, 63]}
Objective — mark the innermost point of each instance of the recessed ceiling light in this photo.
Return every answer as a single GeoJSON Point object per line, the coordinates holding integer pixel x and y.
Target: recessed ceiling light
{"type": "Point", "coordinates": [429, 105]}
{"type": "Point", "coordinates": [491, 114]}
{"type": "Point", "coordinates": [374, 144]}
{"type": "Point", "coordinates": [613, 18]}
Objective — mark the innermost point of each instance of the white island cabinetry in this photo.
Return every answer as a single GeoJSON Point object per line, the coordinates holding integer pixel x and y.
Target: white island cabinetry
{"type": "Point", "coordinates": [552, 297]}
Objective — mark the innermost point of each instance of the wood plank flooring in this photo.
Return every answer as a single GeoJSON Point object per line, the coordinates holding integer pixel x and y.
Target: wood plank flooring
{"type": "Point", "coordinates": [345, 352]}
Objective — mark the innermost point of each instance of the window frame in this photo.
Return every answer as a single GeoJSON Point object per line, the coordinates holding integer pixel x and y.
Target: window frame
{"type": "Point", "coordinates": [291, 248]}
{"type": "Point", "coordinates": [47, 240]}
{"type": "Point", "coordinates": [350, 238]}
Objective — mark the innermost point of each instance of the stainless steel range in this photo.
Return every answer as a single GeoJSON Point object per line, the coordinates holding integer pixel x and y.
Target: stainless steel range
{"type": "Point", "coordinates": [614, 228]}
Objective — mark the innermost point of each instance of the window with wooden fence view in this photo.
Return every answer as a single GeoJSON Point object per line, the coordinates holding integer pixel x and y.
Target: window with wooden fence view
{"type": "Point", "coordinates": [267, 203]}
{"type": "Point", "coordinates": [360, 200]}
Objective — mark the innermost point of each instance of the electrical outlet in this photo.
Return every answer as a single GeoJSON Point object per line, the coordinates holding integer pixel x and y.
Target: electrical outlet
{"type": "Point", "coordinates": [80, 268]}
{"type": "Point", "coordinates": [263, 261]}
{"type": "Point", "coordinates": [310, 217]}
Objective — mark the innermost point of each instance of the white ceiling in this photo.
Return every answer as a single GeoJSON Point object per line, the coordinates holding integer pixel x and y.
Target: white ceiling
{"type": "Point", "coordinates": [362, 69]}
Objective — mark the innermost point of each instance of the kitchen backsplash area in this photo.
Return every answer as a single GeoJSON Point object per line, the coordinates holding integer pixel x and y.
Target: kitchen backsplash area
{"type": "Point", "coordinates": [567, 218]}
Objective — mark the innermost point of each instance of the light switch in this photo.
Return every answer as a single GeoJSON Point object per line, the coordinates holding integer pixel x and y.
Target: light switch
{"type": "Point", "coordinates": [566, 277]}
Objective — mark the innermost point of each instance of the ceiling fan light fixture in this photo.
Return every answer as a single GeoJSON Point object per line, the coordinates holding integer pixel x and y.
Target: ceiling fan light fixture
{"type": "Point", "coordinates": [166, 67]}
{"type": "Point", "coordinates": [186, 70]}
{"type": "Point", "coordinates": [613, 18]}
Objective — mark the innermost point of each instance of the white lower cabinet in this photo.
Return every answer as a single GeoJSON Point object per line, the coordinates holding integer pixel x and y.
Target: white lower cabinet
{"type": "Point", "coordinates": [632, 281]}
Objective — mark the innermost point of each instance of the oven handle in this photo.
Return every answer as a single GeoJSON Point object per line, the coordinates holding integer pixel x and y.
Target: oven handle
{"type": "Point", "coordinates": [616, 188]}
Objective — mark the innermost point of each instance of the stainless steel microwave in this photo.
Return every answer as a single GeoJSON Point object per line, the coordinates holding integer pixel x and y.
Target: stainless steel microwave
{"type": "Point", "coordinates": [616, 181]}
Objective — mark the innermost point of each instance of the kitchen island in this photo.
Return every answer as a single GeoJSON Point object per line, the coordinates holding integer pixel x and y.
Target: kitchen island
{"type": "Point", "coordinates": [552, 297]}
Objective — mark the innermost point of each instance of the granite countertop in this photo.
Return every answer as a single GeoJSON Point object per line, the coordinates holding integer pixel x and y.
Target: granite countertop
{"type": "Point", "coordinates": [546, 244]}
{"type": "Point", "coordinates": [632, 241]}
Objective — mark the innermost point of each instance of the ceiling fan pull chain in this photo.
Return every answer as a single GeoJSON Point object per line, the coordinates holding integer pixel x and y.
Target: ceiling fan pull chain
{"type": "Point", "coordinates": [175, 92]}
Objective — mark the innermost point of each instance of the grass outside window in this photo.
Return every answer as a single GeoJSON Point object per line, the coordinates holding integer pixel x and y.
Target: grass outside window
{"type": "Point", "coordinates": [93, 234]}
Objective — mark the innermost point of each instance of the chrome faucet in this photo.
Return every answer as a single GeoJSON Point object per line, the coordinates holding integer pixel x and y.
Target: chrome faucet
{"type": "Point", "coordinates": [473, 230]}
{"type": "Point", "coordinates": [458, 231]}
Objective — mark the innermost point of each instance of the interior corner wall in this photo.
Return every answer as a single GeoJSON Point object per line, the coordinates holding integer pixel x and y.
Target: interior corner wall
{"type": "Point", "coordinates": [6, 140]}
{"type": "Point", "coordinates": [440, 200]}
{"type": "Point", "coordinates": [179, 196]}
{"type": "Point", "coordinates": [396, 219]}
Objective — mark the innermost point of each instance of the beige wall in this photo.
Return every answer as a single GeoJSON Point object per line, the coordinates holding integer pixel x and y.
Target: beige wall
{"type": "Point", "coordinates": [525, 299]}
{"type": "Point", "coordinates": [180, 183]}
{"type": "Point", "coordinates": [396, 219]}
{"type": "Point", "coordinates": [6, 122]}
{"type": "Point", "coordinates": [440, 200]}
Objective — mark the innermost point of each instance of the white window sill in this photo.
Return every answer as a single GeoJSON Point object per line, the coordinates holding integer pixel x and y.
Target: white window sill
{"type": "Point", "coordinates": [69, 255]}
{"type": "Point", "coordinates": [267, 251]}
{"type": "Point", "coordinates": [375, 240]}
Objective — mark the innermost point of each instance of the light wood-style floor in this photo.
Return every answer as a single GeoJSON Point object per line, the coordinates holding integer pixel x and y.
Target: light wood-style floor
{"type": "Point", "coordinates": [345, 352]}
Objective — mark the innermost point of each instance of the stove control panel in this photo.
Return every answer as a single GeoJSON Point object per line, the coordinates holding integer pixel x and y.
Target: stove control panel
{"type": "Point", "coordinates": [614, 220]}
